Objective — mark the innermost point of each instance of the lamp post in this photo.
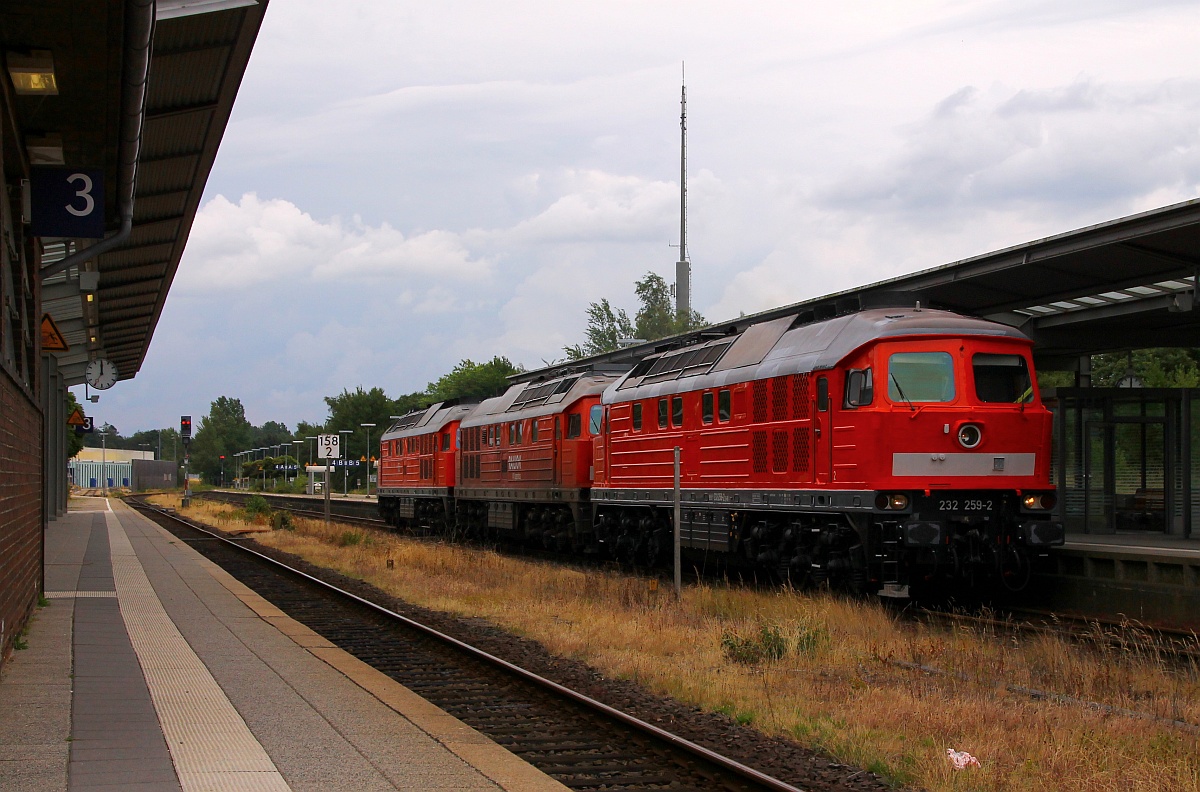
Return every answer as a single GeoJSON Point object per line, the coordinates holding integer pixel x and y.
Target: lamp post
{"type": "Point", "coordinates": [308, 487]}
{"type": "Point", "coordinates": [297, 443]}
{"type": "Point", "coordinates": [104, 462]}
{"type": "Point", "coordinates": [264, 450]}
{"type": "Point", "coordinates": [345, 467]}
{"type": "Point", "coordinates": [368, 426]}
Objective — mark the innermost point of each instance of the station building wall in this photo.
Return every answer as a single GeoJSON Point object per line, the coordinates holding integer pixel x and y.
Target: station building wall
{"type": "Point", "coordinates": [22, 415]}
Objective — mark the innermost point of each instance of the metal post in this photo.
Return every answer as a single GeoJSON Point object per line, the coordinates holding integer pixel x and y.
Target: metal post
{"type": "Point", "coordinates": [327, 466]}
{"type": "Point", "coordinates": [678, 567]}
{"type": "Point", "coordinates": [104, 463]}
{"type": "Point", "coordinates": [368, 428]}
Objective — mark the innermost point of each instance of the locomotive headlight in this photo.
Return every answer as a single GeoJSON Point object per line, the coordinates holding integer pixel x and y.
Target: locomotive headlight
{"type": "Point", "coordinates": [969, 435]}
{"type": "Point", "coordinates": [895, 501]}
{"type": "Point", "coordinates": [1039, 500]}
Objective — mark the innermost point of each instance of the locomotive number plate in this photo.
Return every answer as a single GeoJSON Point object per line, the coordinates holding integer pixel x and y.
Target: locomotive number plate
{"type": "Point", "coordinates": [966, 505]}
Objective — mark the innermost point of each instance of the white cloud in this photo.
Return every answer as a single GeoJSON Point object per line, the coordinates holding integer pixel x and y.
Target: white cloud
{"type": "Point", "coordinates": [254, 241]}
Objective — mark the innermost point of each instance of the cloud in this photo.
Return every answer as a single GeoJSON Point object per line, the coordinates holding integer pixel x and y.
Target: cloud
{"type": "Point", "coordinates": [255, 241]}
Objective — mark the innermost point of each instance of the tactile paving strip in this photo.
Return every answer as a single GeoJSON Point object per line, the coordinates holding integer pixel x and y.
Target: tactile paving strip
{"type": "Point", "coordinates": [75, 594]}
{"type": "Point", "coordinates": [211, 746]}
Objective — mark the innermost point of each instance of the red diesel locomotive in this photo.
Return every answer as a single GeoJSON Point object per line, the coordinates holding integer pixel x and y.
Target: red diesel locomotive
{"type": "Point", "coordinates": [875, 451]}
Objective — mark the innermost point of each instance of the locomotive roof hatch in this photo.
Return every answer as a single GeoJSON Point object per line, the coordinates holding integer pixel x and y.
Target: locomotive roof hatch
{"type": "Point", "coordinates": [431, 419]}
{"type": "Point", "coordinates": [779, 347]}
{"type": "Point", "coordinates": [534, 399]}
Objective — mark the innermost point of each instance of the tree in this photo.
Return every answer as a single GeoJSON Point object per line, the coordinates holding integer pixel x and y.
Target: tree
{"type": "Point", "coordinates": [605, 329]}
{"type": "Point", "coordinates": [1156, 368]}
{"type": "Point", "coordinates": [654, 320]}
{"type": "Point", "coordinates": [350, 410]}
{"type": "Point", "coordinates": [74, 439]}
{"type": "Point", "coordinates": [470, 380]}
{"type": "Point", "coordinates": [223, 432]}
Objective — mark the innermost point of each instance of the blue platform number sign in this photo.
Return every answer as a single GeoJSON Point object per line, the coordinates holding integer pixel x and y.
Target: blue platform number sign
{"type": "Point", "coordinates": [67, 202]}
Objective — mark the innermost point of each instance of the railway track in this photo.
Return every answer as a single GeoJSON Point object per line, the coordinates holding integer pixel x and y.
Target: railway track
{"type": "Point", "coordinates": [581, 742]}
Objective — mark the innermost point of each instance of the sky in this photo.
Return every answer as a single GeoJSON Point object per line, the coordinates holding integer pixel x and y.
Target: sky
{"type": "Point", "coordinates": [404, 185]}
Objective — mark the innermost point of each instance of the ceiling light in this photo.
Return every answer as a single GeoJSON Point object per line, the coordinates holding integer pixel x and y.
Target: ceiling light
{"type": "Point", "coordinates": [170, 9]}
{"type": "Point", "coordinates": [33, 72]}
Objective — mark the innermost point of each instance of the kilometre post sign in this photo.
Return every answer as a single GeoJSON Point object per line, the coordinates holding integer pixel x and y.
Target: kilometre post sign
{"type": "Point", "coordinates": [329, 446]}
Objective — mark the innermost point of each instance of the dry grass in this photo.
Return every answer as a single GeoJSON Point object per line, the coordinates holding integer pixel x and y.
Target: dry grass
{"type": "Point", "coordinates": [833, 674]}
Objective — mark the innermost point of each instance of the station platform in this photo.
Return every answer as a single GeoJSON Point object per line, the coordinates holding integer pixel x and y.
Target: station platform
{"type": "Point", "coordinates": [150, 668]}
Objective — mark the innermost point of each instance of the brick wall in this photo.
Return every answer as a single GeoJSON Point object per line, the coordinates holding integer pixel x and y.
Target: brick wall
{"type": "Point", "coordinates": [20, 508]}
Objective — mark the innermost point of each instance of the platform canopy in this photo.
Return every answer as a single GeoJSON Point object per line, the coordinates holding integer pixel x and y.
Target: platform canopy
{"type": "Point", "coordinates": [183, 86]}
{"type": "Point", "coordinates": [1125, 284]}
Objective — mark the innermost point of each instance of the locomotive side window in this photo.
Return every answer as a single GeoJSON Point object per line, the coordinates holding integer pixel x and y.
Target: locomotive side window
{"type": "Point", "coordinates": [445, 441]}
{"type": "Point", "coordinates": [822, 394]}
{"type": "Point", "coordinates": [574, 425]}
{"type": "Point", "coordinates": [723, 406]}
{"type": "Point", "coordinates": [662, 413]}
{"type": "Point", "coordinates": [637, 416]}
{"type": "Point", "coordinates": [706, 407]}
{"type": "Point", "coordinates": [920, 377]}
{"type": "Point", "coordinates": [596, 419]}
{"type": "Point", "coordinates": [676, 411]}
{"type": "Point", "coordinates": [859, 388]}
{"type": "Point", "coordinates": [1001, 378]}
{"type": "Point", "coordinates": [533, 430]}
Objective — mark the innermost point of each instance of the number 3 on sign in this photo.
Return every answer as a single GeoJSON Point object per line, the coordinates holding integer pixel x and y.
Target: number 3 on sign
{"type": "Point", "coordinates": [329, 446]}
{"type": "Point", "coordinates": [89, 203]}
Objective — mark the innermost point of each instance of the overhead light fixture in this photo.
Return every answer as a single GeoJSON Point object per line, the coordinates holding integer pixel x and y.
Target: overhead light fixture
{"type": "Point", "coordinates": [32, 73]}
{"type": "Point", "coordinates": [171, 9]}
{"type": "Point", "coordinates": [45, 149]}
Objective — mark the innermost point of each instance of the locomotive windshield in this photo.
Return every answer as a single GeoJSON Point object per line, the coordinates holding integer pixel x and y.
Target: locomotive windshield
{"type": "Point", "coordinates": [921, 377]}
{"type": "Point", "coordinates": [1002, 378]}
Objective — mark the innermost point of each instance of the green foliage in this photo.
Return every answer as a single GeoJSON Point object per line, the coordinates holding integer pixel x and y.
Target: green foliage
{"type": "Point", "coordinates": [655, 319]}
{"type": "Point", "coordinates": [768, 644]}
{"type": "Point", "coordinates": [74, 439]}
{"type": "Point", "coordinates": [470, 380]}
{"type": "Point", "coordinates": [606, 326]}
{"type": "Point", "coordinates": [282, 521]}
{"type": "Point", "coordinates": [350, 539]}
{"type": "Point", "coordinates": [772, 642]}
{"type": "Point", "coordinates": [256, 505]}
{"type": "Point", "coordinates": [223, 432]}
{"type": "Point", "coordinates": [1157, 368]}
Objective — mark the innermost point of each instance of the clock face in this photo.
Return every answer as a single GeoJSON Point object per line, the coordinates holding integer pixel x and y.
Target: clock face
{"type": "Point", "coordinates": [100, 374]}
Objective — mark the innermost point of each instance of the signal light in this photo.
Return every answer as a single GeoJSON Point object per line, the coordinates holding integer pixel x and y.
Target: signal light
{"type": "Point", "coordinates": [185, 426]}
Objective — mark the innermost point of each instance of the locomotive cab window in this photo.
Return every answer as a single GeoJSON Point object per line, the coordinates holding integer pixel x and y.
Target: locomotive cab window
{"type": "Point", "coordinates": [662, 413]}
{"type": "Point", "coordinates": [533, 430]}
{"type": "Point", "coordinates": [596, 419]}
{"type": "Point", "coordinates": [859, 388]}
{"type": "Point", "coordinates": [920, 377]}
{"type": "Point", "coordinates": [723, 406]}
{"type": "Point", "coordinates": [574, 425]}
{"type": "Point", "coordinates": [706, 407]}
{"type": "Point", "coordinates": [637, 416]}
{"type": "Point", "coordinates": [676, 411]}
{"type": "Point", "coordinates": [1001, 378]}
{"type": "Point", "coordinates": [822, 394]}
{"type": "Point", "coordinates": [445, 441]}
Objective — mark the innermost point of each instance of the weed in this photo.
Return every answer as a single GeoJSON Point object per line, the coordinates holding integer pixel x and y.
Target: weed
{"type": "Point", "coordinates": [282, 521]}
{"type": "Point", "coordinates": [19, 642]}
{"type": "Point", "coordinates": [257, 505]}
{"type": "Point", "coordinates": [350, 539]}
{"type": "Point", "coordinates": [42, 601]}
{"type": "Point", "coordinates": [768, 644]}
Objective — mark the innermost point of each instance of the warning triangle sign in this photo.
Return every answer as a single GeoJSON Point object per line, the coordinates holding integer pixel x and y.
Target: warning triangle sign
{"type": "Point", "coordinates": [76, 418]}
{"type": "Point", "coordinates": [52, 337]}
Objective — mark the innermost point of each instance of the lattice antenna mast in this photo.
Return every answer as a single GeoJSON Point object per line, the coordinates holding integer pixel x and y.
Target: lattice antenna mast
{"type": "Point", "coordinates": [683, 267]}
